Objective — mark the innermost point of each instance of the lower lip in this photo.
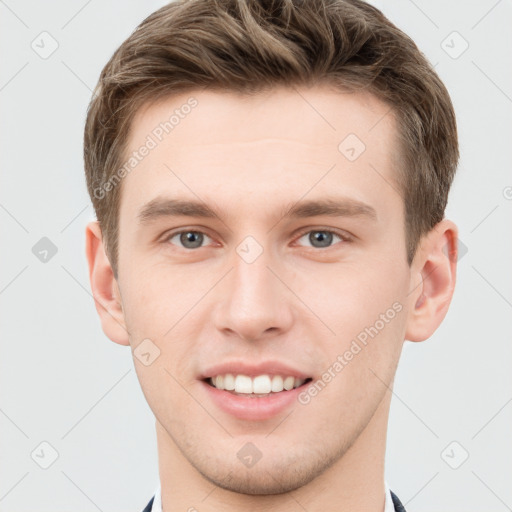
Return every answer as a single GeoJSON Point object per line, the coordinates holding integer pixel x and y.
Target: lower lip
{"type": "Point", "coordinates": [253, 408]}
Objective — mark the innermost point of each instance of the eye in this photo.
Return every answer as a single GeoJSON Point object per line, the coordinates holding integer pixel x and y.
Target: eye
{"type": "Point", "coordinates": [189, 239]}
{"type": "Point", "coordinates": [317, 238]}
{"type": "Point", "coordinates": [322, 238]}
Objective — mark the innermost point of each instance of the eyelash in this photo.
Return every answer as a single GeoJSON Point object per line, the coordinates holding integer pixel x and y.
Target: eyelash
{"type": "Point", "coordinates": [344, 237]}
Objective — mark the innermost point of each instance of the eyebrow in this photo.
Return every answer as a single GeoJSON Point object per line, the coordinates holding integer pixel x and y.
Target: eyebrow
{"type": "Point", "coordinates": [340, 207]}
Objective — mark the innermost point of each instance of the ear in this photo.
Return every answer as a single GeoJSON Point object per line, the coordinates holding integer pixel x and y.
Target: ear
{"type": "Point", "coordinates": [433, 274]}
{"type": "Point", "coordinates": [105, 290]}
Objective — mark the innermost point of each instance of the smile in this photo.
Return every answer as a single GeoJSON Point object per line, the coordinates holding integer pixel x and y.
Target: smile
{"type": "Point", "coordinates": [258, 386]}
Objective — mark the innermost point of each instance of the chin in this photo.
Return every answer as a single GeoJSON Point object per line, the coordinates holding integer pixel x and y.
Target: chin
{"type": "Point", "coordinates": [261, 481]}
{"type": "Point", "coordinates": [270, 475]}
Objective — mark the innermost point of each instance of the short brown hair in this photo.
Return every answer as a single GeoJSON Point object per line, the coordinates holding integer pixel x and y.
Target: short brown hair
{"type": "Point", "coordinates": [247, 46]}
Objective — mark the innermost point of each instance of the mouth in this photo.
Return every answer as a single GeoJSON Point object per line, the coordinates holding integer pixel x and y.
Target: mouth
{"type": "Point", "coordinates": [254, 391]}
{"type": "Point", "coordinates": [259, 386]}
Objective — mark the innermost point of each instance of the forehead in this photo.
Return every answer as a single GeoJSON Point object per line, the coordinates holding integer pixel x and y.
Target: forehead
{"type": "Point", "coordinates": [316, 114]}
{"type": "Point", "coordinates": [271, 144]}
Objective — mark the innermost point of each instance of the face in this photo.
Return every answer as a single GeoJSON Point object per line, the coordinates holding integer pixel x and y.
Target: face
{"type": "Point", "coordinates": [263, 237]}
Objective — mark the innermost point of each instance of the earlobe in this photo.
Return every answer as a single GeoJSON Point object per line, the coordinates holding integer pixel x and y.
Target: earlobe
{"type": "Point", "coordinates": [436, 264]}
{"type": "Point", "coordinates": [105, 290]}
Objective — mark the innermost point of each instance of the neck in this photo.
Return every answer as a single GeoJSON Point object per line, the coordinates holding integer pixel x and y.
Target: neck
{"type": "Point", "coordinates": [353, 482]}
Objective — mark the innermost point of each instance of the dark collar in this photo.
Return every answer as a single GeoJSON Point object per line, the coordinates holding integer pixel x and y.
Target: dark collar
{"type": "Point", "coordinates": [397, 503]}
{"type": "Point", "coordinates": [149, 505]}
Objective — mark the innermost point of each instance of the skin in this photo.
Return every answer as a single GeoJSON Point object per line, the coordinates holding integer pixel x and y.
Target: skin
{"type": "Point", "coordinates": [251, 158]}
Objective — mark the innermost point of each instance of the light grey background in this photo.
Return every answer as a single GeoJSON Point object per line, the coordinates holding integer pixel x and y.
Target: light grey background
{"type": "Point", "coordinates": [64, 383]}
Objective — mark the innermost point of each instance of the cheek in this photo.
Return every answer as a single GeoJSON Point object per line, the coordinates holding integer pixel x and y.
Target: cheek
{"type": "Point", "coordinates": [349, 298]}
{"type": "Point", "coordinates": [163, 304]}
{"type": "Point", "coordinates": [155, 298]}
{"type": "Point", "coordinates": [364, 307]}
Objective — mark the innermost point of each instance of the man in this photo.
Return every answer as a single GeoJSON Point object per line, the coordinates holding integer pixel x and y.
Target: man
{"type": "Point", "coordinates": [270, 180]}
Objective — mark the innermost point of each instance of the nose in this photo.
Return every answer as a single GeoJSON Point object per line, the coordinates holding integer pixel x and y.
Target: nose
{"type": "Point", "coordinates": [254, 301]}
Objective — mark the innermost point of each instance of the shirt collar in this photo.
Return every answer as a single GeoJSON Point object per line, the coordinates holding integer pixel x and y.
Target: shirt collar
{"type": "Point", "coordinates": [157, 502]}
{"type": "Point", "coordinates": [388, 507]}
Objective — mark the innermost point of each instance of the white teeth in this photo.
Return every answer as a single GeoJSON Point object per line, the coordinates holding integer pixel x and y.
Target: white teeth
{"type": "Point", "coordinates": [259, 385]}
{"type": "Point", "coordinates": [298, 382]}
{"type": "Point", "coordinates": [243, 384]}
{"type": "Point", "coordinates": [229, 382]}
{"type": "Point", "coordinates": [288, 383]}
{"type": "Point", "coordinates": [277, 383]}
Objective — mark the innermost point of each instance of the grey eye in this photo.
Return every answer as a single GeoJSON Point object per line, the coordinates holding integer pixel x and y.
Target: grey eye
{"type": "Point", "coordinates": [190, 239]}
{"type": "Point", "coordinates": [320, 238]}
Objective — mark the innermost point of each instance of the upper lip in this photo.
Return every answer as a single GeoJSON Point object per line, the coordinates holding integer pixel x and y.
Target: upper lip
{"type": "Point", "coordinates": [239, 367]}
